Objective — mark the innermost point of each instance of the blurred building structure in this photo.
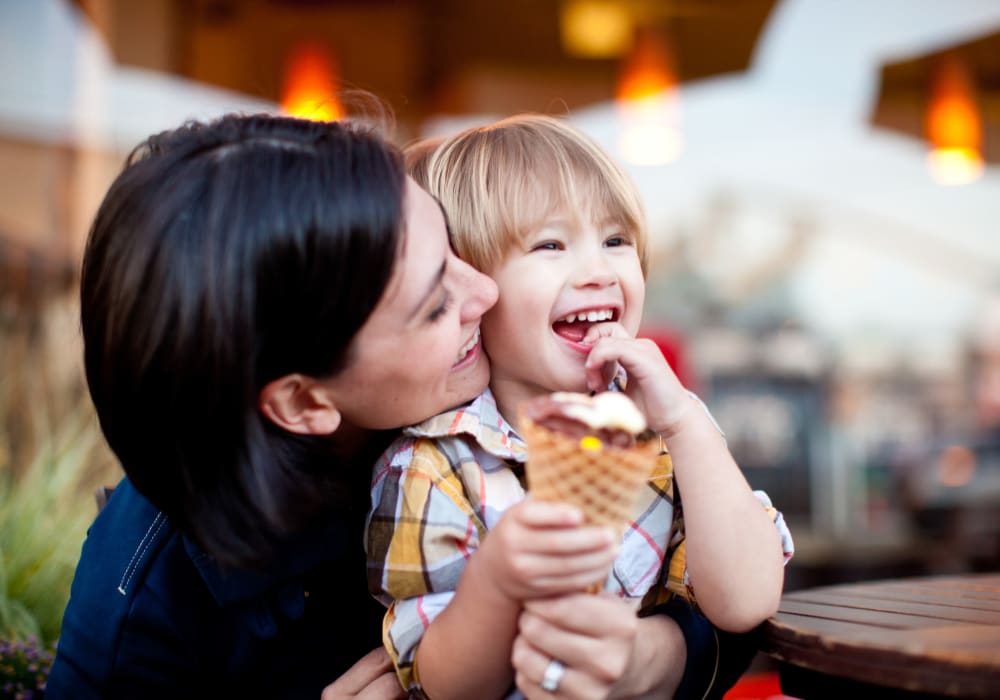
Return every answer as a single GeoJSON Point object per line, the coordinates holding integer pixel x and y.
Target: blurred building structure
{"type": "Point", "coordinates": [68, 116]}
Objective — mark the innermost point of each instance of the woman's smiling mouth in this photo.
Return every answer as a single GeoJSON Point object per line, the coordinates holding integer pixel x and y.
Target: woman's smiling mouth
{"type": "Point", "coordinates": [468, 348]}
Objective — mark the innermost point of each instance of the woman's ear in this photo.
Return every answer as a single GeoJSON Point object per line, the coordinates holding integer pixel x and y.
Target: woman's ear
{"type": "Point", "coordinates": [299, 404]}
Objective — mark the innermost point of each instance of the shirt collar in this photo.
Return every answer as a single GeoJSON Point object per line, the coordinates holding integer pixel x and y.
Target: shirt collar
{"type": "Point", "coordinates": [481, 420]}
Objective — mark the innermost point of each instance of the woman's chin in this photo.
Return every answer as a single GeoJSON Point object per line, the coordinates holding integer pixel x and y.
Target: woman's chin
{"type": "Point", "coordinates": [470, 382]}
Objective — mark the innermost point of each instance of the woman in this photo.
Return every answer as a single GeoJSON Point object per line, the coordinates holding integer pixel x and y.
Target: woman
{"type": "Point", "coordinates": [263, 300]}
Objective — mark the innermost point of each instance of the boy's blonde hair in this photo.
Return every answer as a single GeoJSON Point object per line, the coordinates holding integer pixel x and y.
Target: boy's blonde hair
{"type": "Point", "coordinates": [499, 183]}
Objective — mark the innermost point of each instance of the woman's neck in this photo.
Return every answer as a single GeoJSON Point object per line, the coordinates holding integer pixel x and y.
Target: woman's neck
{"type": "Point", "coordinates": [352, 443]}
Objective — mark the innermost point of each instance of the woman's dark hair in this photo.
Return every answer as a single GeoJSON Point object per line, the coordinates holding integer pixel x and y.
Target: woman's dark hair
{"type": "Point", "coordinates": [224, 256]}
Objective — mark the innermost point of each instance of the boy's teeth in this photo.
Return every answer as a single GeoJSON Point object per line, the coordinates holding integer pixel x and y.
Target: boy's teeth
{"type": "Point", "coordinates": [590, 316]}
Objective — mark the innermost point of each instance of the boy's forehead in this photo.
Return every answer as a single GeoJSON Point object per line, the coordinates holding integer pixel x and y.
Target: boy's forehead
{"type": "Point", "coordinates": [550, 191]}
{"type": "Point", "coordinates": [554, 205]}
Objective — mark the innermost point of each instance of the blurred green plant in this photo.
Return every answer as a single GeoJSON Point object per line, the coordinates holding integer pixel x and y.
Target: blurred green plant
{"type": "Point", "coordinates": [45, 509]}
{"type": "Point", "coordinates": [52, 458]}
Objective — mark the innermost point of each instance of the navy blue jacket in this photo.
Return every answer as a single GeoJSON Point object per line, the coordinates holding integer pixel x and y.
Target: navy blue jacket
{"type": "Point", "coordinates": [151, 616]}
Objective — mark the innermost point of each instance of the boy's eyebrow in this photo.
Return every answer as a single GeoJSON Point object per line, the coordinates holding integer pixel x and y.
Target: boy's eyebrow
{"type": "Point", "coordinates": [560, 222]}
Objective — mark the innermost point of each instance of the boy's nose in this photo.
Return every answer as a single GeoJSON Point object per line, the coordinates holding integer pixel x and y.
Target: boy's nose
{"type": "Point", "coordinates": [593, 270]}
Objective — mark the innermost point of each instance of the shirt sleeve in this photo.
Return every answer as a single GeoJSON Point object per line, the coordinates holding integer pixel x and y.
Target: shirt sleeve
{"type": "Point", "coordinates": [421, 532]}
{"type": "Point", "coordinates": [676, 580]}
{"type": "Point", "coordinates": [787, 545]}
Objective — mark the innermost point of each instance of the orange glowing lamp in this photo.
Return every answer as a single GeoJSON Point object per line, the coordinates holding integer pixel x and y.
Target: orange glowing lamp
{"type": "Point", "coordinates": [595, 28]}
{"type": "Point", "coordinates": [648, 70]}
{"type": "Point", "coordinates": [310, 88]}
{"type": "Point", "coordinates": [953, 125]}
{"type": "Point", "coordinates": [647, 98]}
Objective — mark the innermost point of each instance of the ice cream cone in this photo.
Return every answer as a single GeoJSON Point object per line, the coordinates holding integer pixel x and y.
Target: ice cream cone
{"type": "Point", "coordinates": [602, 480]}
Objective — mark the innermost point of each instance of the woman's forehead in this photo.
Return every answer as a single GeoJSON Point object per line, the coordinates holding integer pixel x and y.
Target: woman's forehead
{"type": "Point", "coordinates": [422, 253]}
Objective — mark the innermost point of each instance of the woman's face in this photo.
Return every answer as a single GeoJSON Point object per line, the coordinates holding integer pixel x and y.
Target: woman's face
{"type": "Point", "coordinates": [418, 353]}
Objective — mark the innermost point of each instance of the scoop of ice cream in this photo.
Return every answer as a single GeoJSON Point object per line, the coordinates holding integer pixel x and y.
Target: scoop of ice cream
{"type": "Point", "coordinates": [611, 417]}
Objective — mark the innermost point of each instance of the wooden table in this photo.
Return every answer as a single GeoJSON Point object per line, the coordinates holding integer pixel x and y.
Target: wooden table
{"type": "Point", "coordinates": [906, 638]}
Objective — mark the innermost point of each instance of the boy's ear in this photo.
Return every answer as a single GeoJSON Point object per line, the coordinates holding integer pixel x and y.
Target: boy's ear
{"type": "Point", "coordinates": [300, 405]}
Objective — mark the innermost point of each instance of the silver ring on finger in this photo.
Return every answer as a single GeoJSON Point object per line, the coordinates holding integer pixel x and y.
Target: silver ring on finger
{"type": "Point", "coordinates": [553, 675]}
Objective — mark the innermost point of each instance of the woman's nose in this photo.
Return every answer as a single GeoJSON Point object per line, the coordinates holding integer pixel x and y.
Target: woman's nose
{"type": "Point", "coordinates": [481, 294]}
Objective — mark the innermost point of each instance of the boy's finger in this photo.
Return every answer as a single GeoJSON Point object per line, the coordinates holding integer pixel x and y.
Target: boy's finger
{"type": "Point", "coordinates": [564, 574]}
{"type": "Point", "coordinates": [566, 542]}
{"type": "Point", "coordinates": [609, 370]}
{"type": "Point", "coordinates": [601, 367]}
{"type": "Point", "coordinates": [587, 567]}
{"type": "Point", "coordinates": [607, 329]}
{"type": "Point", "coordinates": [566, 583]}
{"type": "Point", "coordinates": [599, 377]}
{"type": "Point", "coordinates": [595, 379]}
{"type": "Point", "coordinates": [537, 513]}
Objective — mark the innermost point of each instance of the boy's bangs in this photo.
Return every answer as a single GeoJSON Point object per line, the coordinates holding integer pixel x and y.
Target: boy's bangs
{"type": "Point", "coordinates": [531, 201]}
{"type": "Point", "coordinates": [507, 180]}
{"type": "Point", "coordinates": [562, 188]}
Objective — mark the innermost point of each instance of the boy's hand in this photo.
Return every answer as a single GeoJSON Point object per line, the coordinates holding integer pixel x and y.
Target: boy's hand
{"type": "Point", "coordinates": [652, 384]}
{"type": "Point", "coordinates": [540, 549]}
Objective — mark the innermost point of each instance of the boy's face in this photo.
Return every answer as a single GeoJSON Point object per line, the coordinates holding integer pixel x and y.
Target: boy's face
{"type": "Point", "coordinates": [554, 285]}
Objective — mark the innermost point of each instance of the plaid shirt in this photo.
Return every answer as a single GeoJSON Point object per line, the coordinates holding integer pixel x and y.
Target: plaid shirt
{"type": "Point", "coordinates": [438, 490]}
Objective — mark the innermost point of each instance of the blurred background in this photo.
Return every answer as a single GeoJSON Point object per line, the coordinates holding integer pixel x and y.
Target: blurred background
{"type": "Point", "coordinates": [820, 179]}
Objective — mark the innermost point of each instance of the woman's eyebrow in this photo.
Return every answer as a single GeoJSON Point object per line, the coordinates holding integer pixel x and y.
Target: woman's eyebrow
{"type": "Point", "coordinates": [447, 224]}
{"type": "Point", "coordinates": [431, 288]}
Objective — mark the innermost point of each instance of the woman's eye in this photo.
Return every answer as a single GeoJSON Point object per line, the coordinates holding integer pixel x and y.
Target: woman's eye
{"type": "Point", "coordinates": [441, 309]}
{"type": "Point", "coordinates": [615, 241]}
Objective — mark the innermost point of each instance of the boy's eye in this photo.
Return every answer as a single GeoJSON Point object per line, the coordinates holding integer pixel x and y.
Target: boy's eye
{"type": "Point", "coordinates": [547, 245]}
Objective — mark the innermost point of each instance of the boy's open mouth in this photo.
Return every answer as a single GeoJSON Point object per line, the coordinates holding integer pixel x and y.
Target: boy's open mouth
{"type": "Point", "coordinates": [573, 327]}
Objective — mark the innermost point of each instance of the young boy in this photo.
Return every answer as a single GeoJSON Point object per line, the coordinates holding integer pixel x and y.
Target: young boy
{"type": "Point", "coordinates": [538, 207]}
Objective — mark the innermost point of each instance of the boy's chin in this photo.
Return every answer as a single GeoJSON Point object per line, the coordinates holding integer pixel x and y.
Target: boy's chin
{"type": "Point", "coordinates": [577, 385]}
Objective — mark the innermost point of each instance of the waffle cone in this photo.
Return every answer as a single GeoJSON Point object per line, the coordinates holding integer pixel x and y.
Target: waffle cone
{"type": "Point", "coordinates": [604, 483]}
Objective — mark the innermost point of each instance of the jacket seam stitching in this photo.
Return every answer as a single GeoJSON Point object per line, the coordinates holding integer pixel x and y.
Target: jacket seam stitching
{"type": "Point", "coordinates": [141, 549]}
